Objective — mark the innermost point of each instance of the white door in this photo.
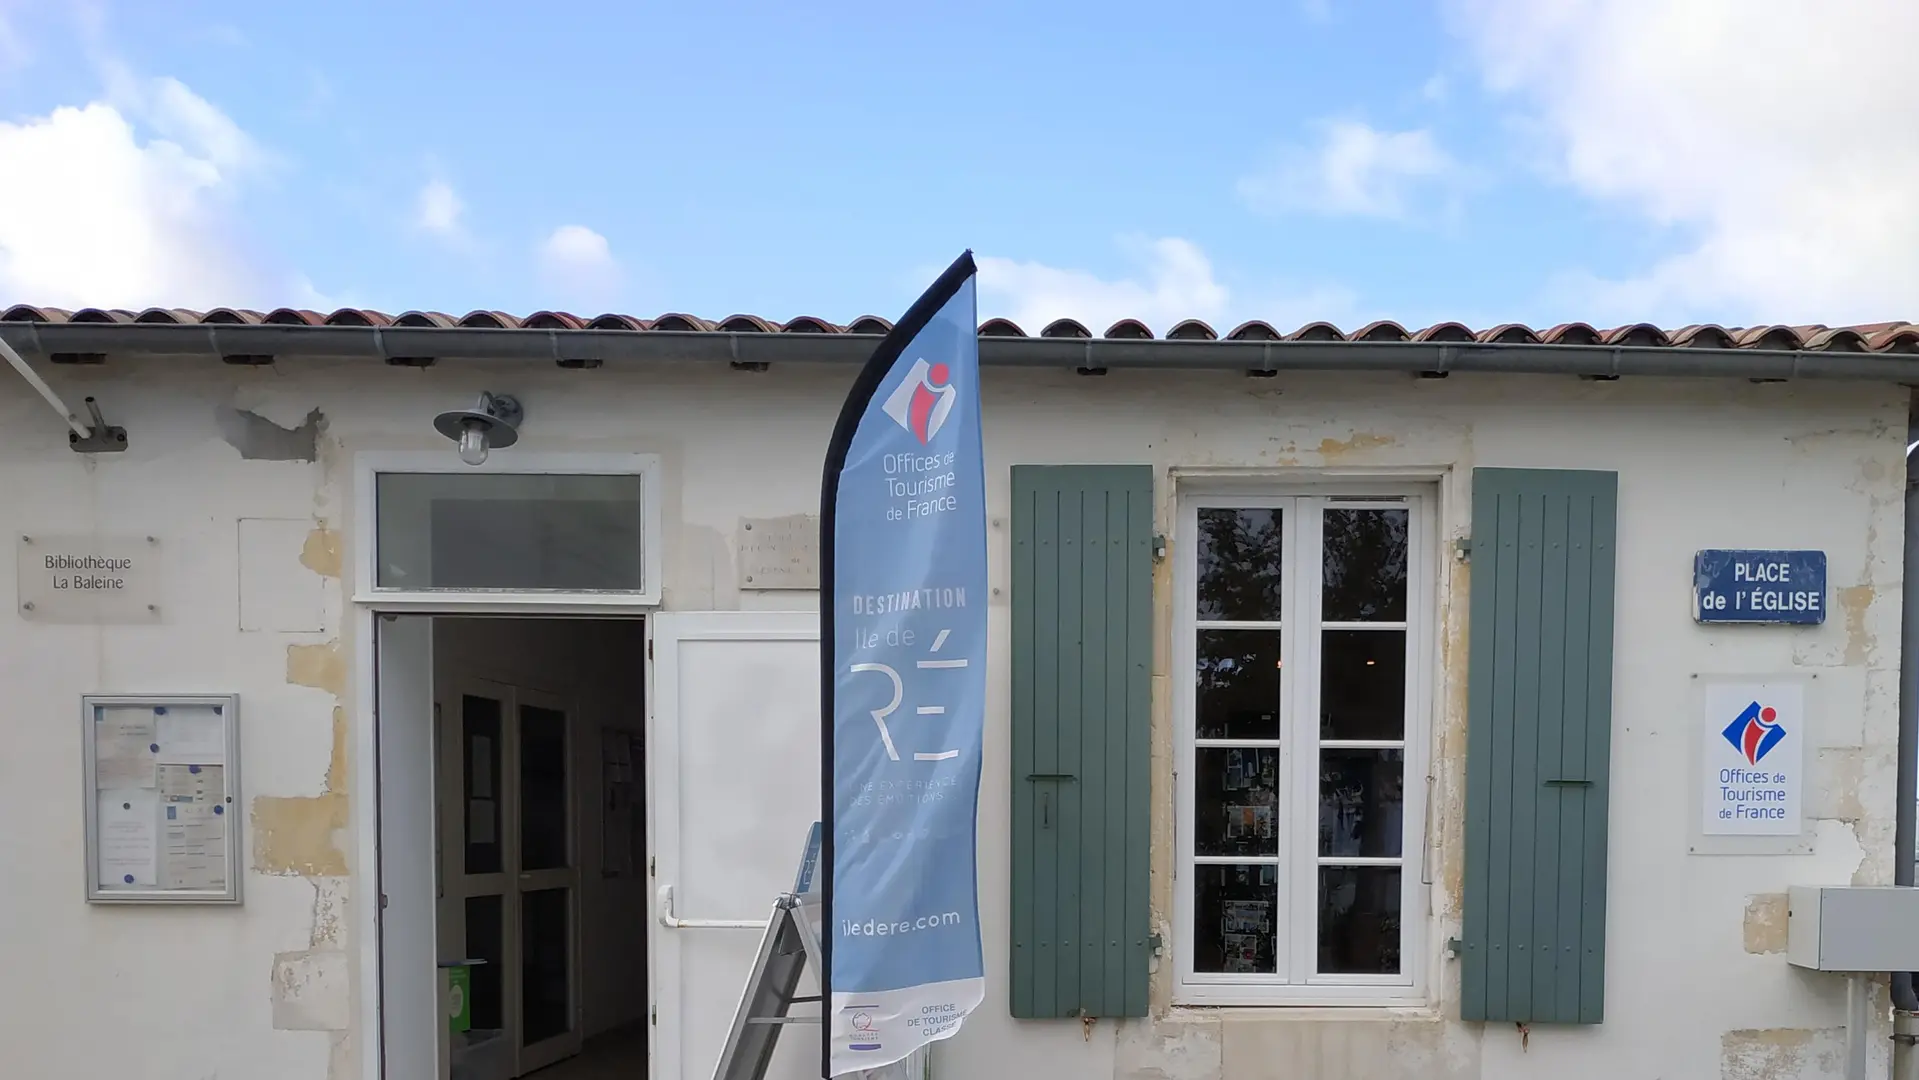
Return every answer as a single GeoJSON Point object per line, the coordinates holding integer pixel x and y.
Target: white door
{"type": "Point", "coordinates": [409, 980]}
{"type": "Point", "coordinates": [510, 862]}
{"type": "Point", "coordinates": [734, 786]}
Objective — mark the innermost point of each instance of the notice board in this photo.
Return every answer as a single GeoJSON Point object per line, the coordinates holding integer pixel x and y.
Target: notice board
{"type": "Point", "coordinates": [162, 792]}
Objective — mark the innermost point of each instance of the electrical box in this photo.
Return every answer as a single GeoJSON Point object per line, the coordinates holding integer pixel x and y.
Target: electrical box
{"type": "Point", "coordinates": [1853, 927]}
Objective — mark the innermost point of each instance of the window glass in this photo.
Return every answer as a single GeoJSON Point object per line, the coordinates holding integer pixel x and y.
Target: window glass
{"type": "Point", "coordinates": [480, 762]}
{"type": "Point", "coordinates": [1364, 565]}
{"type": "Point", "coordinates": [1239, 565]}
{"type": "Point", "coordinates": [573, 533]}
{"type": "Point", "coordinates": [1236, 919]}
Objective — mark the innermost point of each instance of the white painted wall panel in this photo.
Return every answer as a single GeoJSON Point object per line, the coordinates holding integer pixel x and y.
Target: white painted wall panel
{"type": "Point", "coordinates": [1734, 464]}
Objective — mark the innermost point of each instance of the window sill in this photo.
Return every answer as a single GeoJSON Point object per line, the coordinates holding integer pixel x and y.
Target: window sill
{"type": "Point", "coordinates": [1370, 1012]}
{"type": "Point", "coordinates": [1331, 1000]}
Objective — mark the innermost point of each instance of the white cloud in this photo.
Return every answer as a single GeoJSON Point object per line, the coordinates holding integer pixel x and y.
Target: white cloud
{"type": "Point", "coordinates": [103, 215]}
{"type": "Point", "coordinates": [1761, 133]}
{"type": "Point", "coordinates": [578, 264]}
{"type": "Point", "coordinates": [1177, 283]}
{"type": "Point", "coordinates": [1356, 170]}
{"type": "Point", "coordinates": [438, 209]}
{"type": "Point", "coordinates": [1174, 281]}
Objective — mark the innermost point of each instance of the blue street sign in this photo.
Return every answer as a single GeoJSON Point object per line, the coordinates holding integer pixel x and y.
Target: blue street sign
{"type": "Point", "coordinates": [1736, 586]}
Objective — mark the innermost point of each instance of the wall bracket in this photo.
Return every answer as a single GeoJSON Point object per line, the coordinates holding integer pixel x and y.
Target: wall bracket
{"type": "Point", "coordinates": [103, 439]}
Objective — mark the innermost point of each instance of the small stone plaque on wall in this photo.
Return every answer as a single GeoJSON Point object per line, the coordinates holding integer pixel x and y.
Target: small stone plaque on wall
{"type": "Point", "coordinates": [779, 553]}
{"type": "Point", "coordinates": [89, 579]}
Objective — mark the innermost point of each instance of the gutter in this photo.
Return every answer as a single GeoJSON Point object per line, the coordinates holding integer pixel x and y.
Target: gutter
{"type": "Point", "coordinates": [420, 346]}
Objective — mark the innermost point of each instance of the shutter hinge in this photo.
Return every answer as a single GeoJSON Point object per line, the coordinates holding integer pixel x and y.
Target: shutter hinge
{"type": "Point", "coordinates": [1455, 946]}
{"type": "Point", "coordinates": [1159, 547]}
{"type": "Point", "coordinates": [1463, 548]}
{"type": "Point", "coordinates": [652, 866]}
{"type": "Point", "coordinates": [649, 648]}
{"type": "Point", "coordinates": [1157, 944]}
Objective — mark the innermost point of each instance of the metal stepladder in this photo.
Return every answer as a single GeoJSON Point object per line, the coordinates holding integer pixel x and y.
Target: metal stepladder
{"type": "Point", "coordinates": [790, 945]}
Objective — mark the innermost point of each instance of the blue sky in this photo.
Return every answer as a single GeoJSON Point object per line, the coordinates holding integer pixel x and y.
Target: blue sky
{"type": "Point", "coordinates": [1485, 160]}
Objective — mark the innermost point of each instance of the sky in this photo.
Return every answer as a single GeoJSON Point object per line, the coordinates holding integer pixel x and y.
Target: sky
{"type": "Point", "coordinates": [1538, 161]}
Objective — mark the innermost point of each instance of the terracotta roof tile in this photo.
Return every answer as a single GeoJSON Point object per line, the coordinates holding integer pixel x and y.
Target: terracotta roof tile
{"type": "Point", "coordinates": [1509, 334]}
{"type": "Point", "coordinates": [1902, 337]}
{"type": "Point", "coordinates": [1446, 331]}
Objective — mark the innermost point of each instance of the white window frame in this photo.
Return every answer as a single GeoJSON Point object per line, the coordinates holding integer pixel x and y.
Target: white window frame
{"type": "Point", "coordinates": [1295, 983]}
{"type": "Point", "coordinates": [369, 466]}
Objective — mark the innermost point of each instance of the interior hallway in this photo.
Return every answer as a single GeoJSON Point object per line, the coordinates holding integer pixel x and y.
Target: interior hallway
{"type": "Point", "coordinates": [616, 1055]}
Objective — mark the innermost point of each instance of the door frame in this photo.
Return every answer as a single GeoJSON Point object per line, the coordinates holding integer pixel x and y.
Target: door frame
{"type": "Point", "coordinates": [363, 860]}
{"type": "Point", "coordinates": [664, 633]}
{"type": "Point", "coordinates": [367, 603]}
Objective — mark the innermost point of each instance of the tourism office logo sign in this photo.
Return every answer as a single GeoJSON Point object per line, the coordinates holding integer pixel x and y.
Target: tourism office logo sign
{"type": "Point", "coordinates": [1755, 731]}
{"type": "Point", "coordinates": [1753, 767]}
{"type": "Point", "coordinates": [923, 400]}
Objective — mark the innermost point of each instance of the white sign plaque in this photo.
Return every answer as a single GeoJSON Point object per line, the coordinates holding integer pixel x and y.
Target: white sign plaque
{"type": "Point", "coordinates": [1754, 760]}
{"type": "Point", "coordinates": [89, 579]}
{"type": "Point", "coordinates": [780, 553]}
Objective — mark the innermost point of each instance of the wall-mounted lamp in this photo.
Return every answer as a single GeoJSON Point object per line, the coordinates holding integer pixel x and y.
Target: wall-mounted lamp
{"type": "Point", "coordinates": [493, 421]}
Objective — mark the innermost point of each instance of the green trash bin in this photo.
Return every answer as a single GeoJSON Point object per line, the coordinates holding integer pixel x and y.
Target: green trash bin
{"type": "Point", "coordinates": [459, 1003]}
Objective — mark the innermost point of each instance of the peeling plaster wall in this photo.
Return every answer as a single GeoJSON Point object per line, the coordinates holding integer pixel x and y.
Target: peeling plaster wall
{"type": "Point", "coordinates": [259, 531]}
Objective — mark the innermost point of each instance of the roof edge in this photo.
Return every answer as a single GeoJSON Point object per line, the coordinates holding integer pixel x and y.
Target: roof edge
{"type": "Point", "coordinates": [407, 344]}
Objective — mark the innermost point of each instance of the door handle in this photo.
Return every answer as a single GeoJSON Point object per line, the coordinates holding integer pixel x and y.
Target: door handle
{"type": "Point", "coordinates": [672, 922]}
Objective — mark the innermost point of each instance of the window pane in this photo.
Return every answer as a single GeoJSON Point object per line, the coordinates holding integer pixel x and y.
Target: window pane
{"type": "Point", "coordinates": [1362, 803]}
{"type": "Point", "coordinates": [545, 983]}
{"type": "Point", "coordinates": [1239, 564]}
{"type": "Point", "coordinates": [1365, 566]}
{"type": "Point", "coordinates": [1235, 918]}
{"type": "Point", "coordinates": [1238, 798]}
{"type": "Point", "coordinates": [542, 788]}
{"type": "Point", "coordinates": [1359, 920]}
{"type": "Point", "coordinates": [1362, 684]}
{"type": "Point", "coordinates": [480, 719]}
{"type": "Point", "coordinates": [1238, 684]}
{"type": "Point", "coordinates": [486, 940]}
{"type": "Point", "coordinates": [501, 531]}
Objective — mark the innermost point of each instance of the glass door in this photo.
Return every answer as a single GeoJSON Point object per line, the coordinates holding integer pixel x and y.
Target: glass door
{"type": "Point", "coordinates": [510, 874]}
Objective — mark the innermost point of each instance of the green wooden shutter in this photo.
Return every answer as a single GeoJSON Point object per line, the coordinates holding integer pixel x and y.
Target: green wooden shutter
{"type": "Point", "coordinates": [1082, 698]}
{"type": "Point", "coordinates": [1539, 736]}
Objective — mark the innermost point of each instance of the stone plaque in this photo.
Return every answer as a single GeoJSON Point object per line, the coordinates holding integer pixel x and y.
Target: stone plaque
{"type": "Point", "coordinates": [89, 579]}
{"type": "Point", "coordinates": [780, 553]}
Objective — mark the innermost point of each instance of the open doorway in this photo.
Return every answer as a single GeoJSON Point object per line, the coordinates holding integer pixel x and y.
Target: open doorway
{"type": "Point", "coordinates": [531, 789]}
{"type": "Point", "coordinates": [593, 970]}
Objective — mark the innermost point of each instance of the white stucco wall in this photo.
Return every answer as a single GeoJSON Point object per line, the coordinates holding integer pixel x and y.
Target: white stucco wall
{"type": "Point", "coordinates": [270, 989]}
